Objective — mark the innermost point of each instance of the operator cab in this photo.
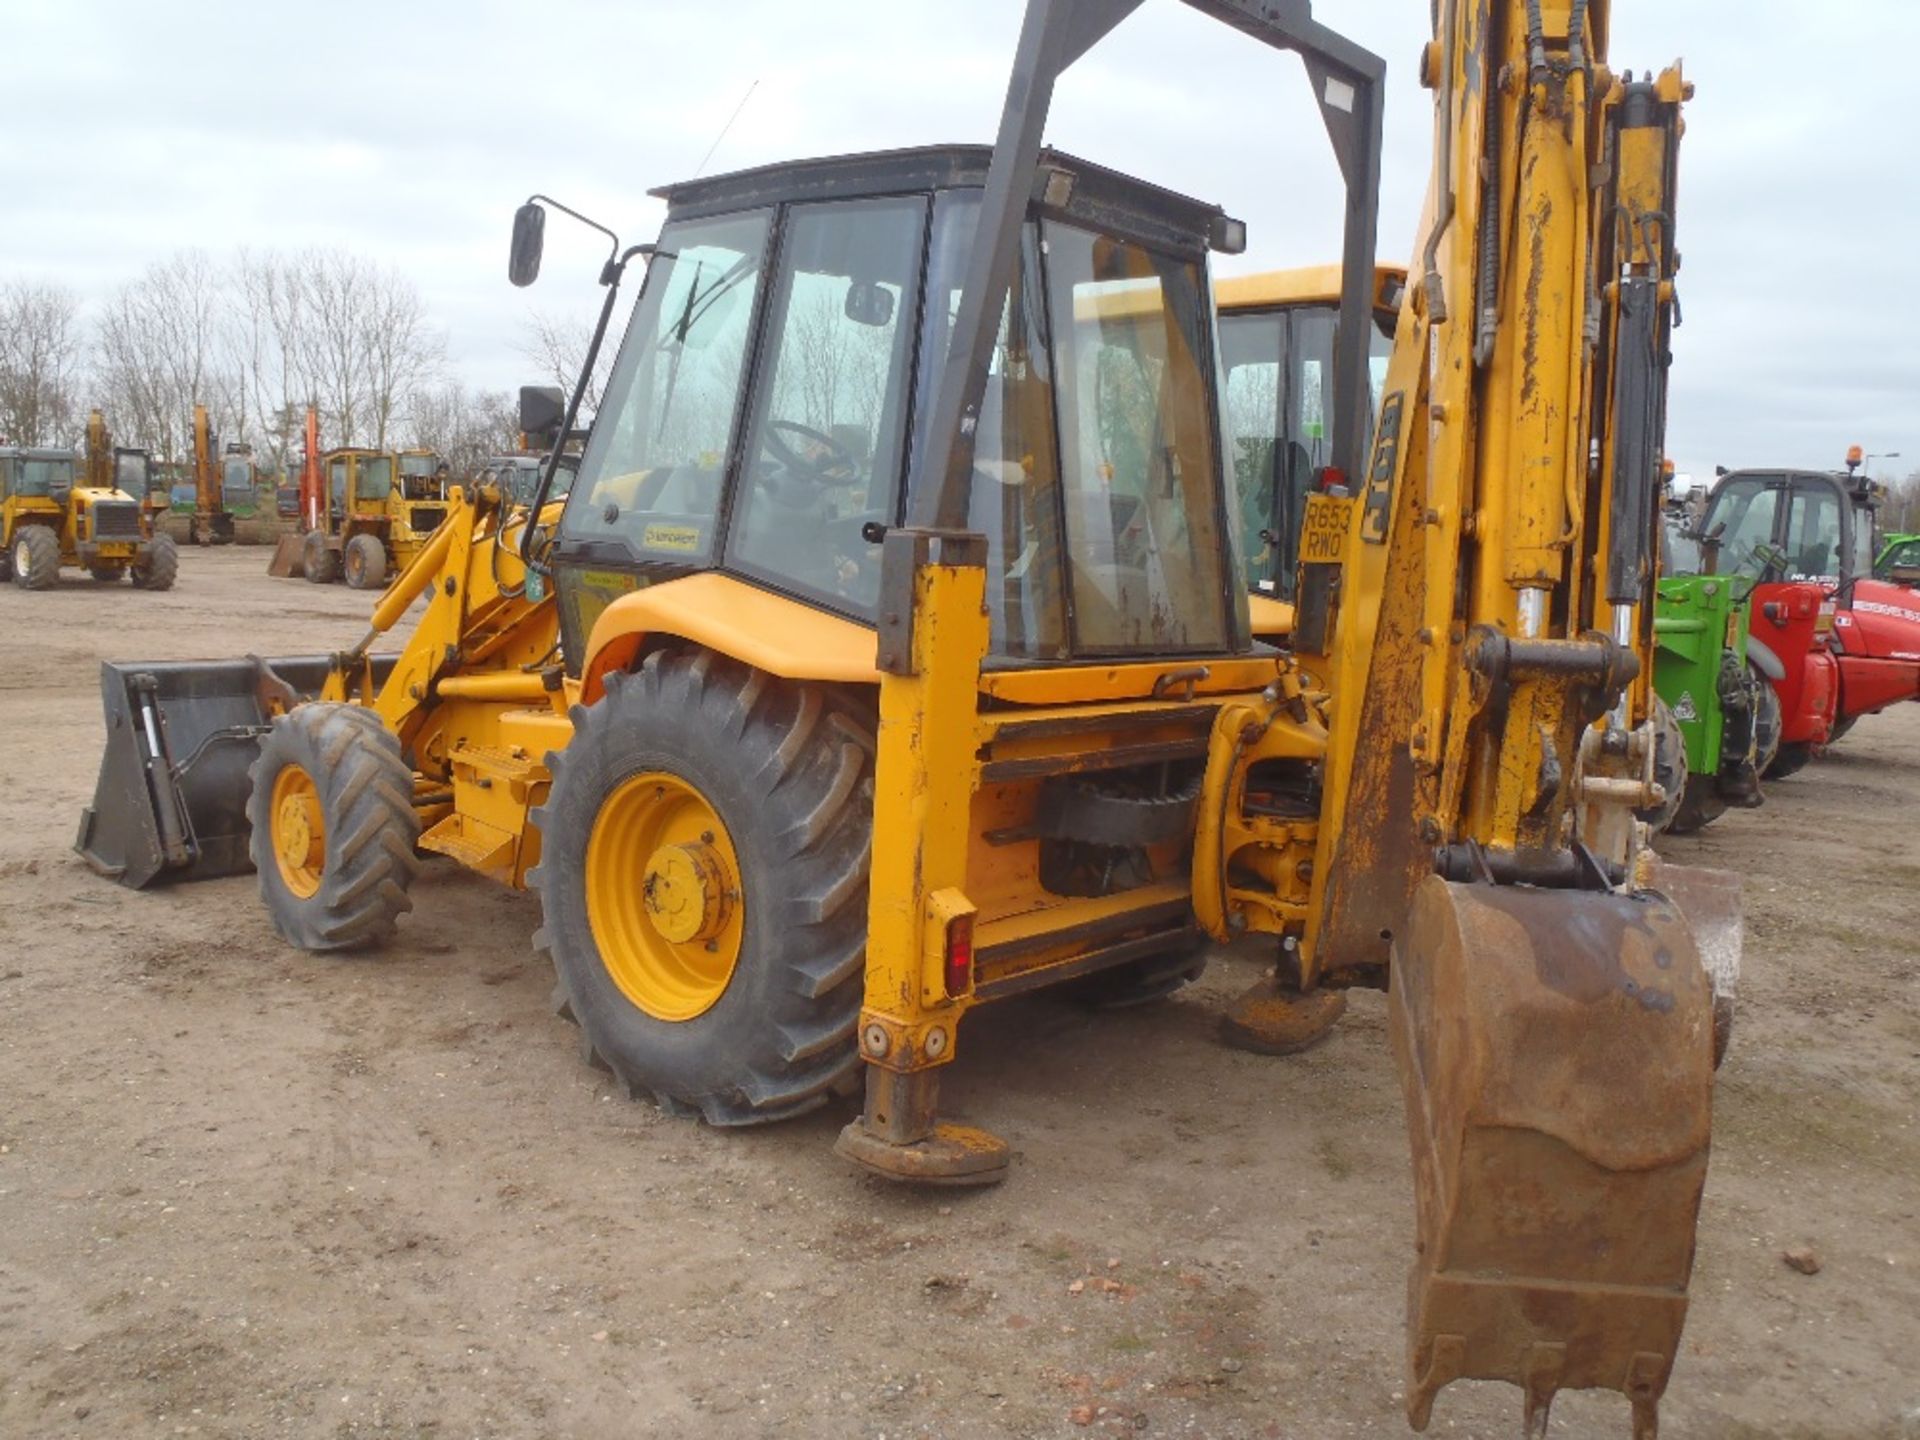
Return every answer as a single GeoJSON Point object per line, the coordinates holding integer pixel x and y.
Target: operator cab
{"type": "Point", "coordinates": [769, 408]}
{"type": "Point", "coordinates": [31, 474]}
{"type": "Point", "coordinates": [1802, 525]}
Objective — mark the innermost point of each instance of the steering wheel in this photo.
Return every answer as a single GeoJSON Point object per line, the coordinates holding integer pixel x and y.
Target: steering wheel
{"type": "Point", "coordinates": [833, 464]}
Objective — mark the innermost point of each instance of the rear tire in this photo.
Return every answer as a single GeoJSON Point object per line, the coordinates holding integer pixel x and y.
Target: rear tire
{"type": "Point", "coordinates": [36, 558]}
{"type": "Point", "coordinates": [758, 1023]}
{"type": "Point", "coordinates": [365, 563]}
{"type": "Point", "coordinates": [1766, 721]}
{"type": "Point", "coordinates": [318, 560]}
{"type": "Point", "coordinates": [334, 827]}
{"type": "Point", "coordinates": [157, 566]}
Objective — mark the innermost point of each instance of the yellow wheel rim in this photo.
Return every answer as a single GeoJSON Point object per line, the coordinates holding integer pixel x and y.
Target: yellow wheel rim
{"type": "Point", "coordinates": [663, 896]}
{"type": "Point", "coordinates": [299, 832]}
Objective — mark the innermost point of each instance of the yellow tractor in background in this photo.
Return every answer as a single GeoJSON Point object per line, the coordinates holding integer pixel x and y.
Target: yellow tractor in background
{"type": "Point", "coordinates": [841, 699]}
{"type": "Point", "coordinates": [51, 516]}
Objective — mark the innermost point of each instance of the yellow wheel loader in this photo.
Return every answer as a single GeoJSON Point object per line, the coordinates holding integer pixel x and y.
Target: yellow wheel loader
{"type": "Point", "coordinates": [373, 514]}
{"type": "Point", "coordinates": [890, 655]}
{"type": "Point", "coordinates": [48, 521]}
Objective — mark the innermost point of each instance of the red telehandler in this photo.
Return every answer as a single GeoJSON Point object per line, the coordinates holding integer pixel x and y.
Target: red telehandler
{"type": "Point", "coordinates": [1836, 643]}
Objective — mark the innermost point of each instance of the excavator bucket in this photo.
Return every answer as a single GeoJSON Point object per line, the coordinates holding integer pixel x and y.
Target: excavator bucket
{"type": "Point", "coordinates": [289, 558]}
{"type": "Point", "coordinates": [1556, 1052]}
{"type": "Point", "coordinates": [171, 800]}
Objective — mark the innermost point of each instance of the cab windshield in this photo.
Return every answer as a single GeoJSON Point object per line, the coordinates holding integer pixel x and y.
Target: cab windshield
{"type": "Point", "coordinates": [418, 467]}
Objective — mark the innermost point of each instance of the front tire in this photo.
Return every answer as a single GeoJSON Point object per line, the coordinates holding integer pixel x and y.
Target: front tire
{"type": "Point", "coordinates": [157, 566]}
{"type": "Point", "coordinates": [334, 827]}
{"type": "Point", "coordinates": [319, 561]}
{"type": "Point", "coordinates": [703, 886]}
{"type": "Point", "coordinates": [365, 563]}
{"type": "Point", "coordinates": [36, 558]}
{"type": "Point", "coordinates": [1669, 767]}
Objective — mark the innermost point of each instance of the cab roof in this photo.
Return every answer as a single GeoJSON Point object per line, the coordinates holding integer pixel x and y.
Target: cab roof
{"type": "Point", "coordinates": [1095, 195]}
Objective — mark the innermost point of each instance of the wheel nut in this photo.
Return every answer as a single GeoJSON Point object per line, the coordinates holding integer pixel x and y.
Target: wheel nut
{"type": "Point", "coordinates": [875, 1039]}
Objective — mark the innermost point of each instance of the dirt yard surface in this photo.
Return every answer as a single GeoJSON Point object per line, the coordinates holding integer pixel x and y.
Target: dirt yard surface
{"type": "Point", "coordinates": [250, 1192]}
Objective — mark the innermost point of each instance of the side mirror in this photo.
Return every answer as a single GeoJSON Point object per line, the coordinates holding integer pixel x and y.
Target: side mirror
{"type": "Point", "coordinates": [542, 409]}
{"type": "Point", "coordinates": [529, 238]}
{"type": "Point", "coordinates": [869, 304]}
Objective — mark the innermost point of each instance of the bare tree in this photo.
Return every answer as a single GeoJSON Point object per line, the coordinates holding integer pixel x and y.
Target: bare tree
{"type": "Point", "coordinates": [1900, 515]}
{"type": "Point", "coordinates": [266, 332]}
{"type": "Point", "coordinates": [163, 346]}
{"type": "Point", "coordinates": [557, 347]}
{"type": "Point", "coordinates": [40, 354]}
{"type": "Point", "coordinates": [464, 427]}
{"type": "Point", "coordinates": [402, 351]}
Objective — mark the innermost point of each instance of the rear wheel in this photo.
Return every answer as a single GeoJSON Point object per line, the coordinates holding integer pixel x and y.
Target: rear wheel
{"type": "Point", "coordinates": [333, 827]}
{"type": "Point", "coordinates": [703, 886]}
{"type": "Point", "coordinates": [1766, 721]}
{"type": "Point", "coordinates": [317, 559]}
{"type": "Point", "coordinates": [36, 558]}
{"type": "Point", "coordinates": [1790, 759]}
{"type": "Point", "coordinates": [365, 563]}
{"type": "Point", "coordinates": [157, 566]}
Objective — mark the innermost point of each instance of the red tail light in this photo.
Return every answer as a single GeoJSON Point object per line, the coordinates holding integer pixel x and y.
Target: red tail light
{"type": "Point", "coordinates": [1333, 478]}
{"type": "Point", "coordinates": [959, 955]}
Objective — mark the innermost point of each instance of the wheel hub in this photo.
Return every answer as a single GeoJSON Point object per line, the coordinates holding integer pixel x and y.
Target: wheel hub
{"type": "Point", "coordinates": [299, 832]}
{"type": "Point", "coordinates": [686, 892]}
{"type": "Point", "coordinates": [664, 895]}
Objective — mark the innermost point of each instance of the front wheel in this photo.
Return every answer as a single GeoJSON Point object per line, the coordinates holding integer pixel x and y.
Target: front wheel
{"type": "Point", "coordinates": [703, 885]}
{"type": "Point", "coordinates": [318, 560]}
{"type": "Point", "coordinates": [333, 827]}
{"type": "Point", "coordinates": [157, 566]}
{"type": "Point", "coordinates": [1669, 767]}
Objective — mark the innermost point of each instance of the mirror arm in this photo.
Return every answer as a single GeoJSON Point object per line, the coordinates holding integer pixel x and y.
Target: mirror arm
{"type": "Point", "coordinates": [613, 247]}
{"type": "Point", "coordinates": [610, 276]}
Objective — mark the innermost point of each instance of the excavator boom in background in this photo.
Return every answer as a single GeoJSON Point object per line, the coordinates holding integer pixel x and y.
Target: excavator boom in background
{"type": "Point", "coordinates": [820, 720]}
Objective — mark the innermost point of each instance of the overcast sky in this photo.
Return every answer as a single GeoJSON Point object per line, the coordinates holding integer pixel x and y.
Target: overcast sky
{"type": "Point", "coordinates": [409, 130]}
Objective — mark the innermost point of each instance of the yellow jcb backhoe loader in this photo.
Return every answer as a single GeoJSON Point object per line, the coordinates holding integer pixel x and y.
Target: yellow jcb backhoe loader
{"type": "Point", "coordinates": [840, 699]}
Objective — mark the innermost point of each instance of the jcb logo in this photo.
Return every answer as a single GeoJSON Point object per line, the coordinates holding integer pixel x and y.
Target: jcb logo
{"type": "Point", "coordinates": [1386, 456]}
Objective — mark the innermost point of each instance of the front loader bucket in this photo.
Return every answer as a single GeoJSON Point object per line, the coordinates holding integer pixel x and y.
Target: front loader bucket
{"type": "Point", "coordinates": [289, 557]}
{"type": "Point", "coordinates": [171, 801]}
{"type": "Point", "coordinates": [1556, 1052]}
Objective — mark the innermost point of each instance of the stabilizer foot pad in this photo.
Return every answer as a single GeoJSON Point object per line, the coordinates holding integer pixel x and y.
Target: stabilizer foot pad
{"type": "Point", "coordinates": [952, 1155]}
{"type": "Point", "coordinates": [1272, 1020]}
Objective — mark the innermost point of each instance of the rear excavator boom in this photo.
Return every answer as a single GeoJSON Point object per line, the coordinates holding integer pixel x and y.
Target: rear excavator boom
{"type": "Point", "coordinates": [1480, 611]}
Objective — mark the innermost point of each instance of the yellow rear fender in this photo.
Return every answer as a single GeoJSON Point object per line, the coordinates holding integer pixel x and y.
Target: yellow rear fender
{"type": "Point", "coordinates": [731, 617]}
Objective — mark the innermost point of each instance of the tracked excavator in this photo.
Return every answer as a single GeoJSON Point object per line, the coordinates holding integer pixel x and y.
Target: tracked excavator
{"type": "Point", "coordinates": [836, 701]}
